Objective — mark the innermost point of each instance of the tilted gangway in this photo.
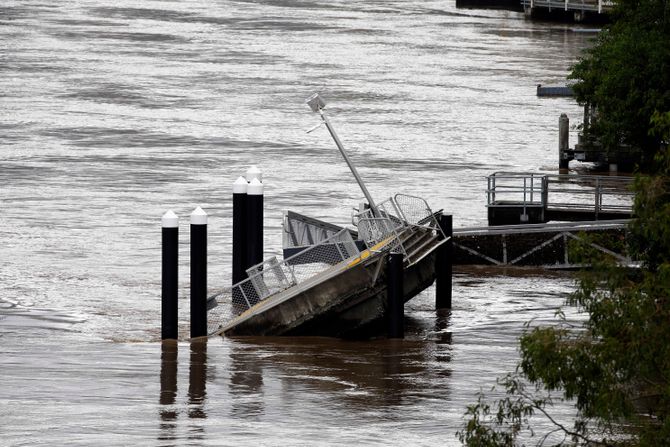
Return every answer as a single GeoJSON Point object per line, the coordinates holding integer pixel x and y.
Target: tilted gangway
{"type": "Point", "coordinates": [337, 285]}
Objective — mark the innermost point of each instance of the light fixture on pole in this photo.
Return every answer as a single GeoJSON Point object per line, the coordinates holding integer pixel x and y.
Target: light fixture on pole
{"type": "Point", "coordinates": [317, 104]}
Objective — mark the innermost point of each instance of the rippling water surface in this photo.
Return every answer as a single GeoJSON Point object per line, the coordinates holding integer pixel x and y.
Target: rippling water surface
{"type": "Point", "coordinates": [112, 113]}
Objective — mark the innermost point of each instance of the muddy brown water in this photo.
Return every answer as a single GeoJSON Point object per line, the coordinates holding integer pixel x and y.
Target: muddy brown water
{"type": "Point", "coordinates": [114, 113]}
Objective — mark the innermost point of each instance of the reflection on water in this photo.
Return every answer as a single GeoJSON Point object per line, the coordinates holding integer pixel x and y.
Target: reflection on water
{"type": "Point", "coordinates": [246, 381]}
{"type": "Point", "coordinates": [197, 388]}
{"type": "Point", "coordinates": [168, 390]}
{"type": "Point", "coordinates": [359, 375]}
{"type": "Point", "coordinates": [442, 330]}
{"type": "Point", "coordinates": [197, 377]}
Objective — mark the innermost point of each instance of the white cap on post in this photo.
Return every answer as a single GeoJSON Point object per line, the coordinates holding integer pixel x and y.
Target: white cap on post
{"type": "Point", "coordinates": [198, 217]}
{"type": "Point", "coordinates": [254, 173]}
{"type": "Point", "coordinates": [255, 188]}
{"type": "Point", "coordinates": [240, 186]}
{"type": "Point", "coordinates": [170, 220]}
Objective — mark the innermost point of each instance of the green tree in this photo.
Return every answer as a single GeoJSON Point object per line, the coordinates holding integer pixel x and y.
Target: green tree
{"type": "Point", "coordinates": [616, 367]}
{"type": "Point", "coordinates": [626, 74]}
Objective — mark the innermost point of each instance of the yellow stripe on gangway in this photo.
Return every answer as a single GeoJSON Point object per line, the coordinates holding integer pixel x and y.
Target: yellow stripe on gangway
{"type": "Point", "coordinates": [367, 253]}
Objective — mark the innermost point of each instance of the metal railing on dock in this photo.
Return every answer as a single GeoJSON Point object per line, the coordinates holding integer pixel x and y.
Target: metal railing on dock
{"type": "Point", "coordinates": [600, 193]}
{"type": "Point", "coordinates": [552, 194]}
{"type": "Point", "coordinates": [598, 6]}
{"type": "Point", "coordinates": [528, 189]}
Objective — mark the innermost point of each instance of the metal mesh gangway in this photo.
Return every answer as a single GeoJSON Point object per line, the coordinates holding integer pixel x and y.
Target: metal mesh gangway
{"type": "Point", "coordinates": [405, 224]}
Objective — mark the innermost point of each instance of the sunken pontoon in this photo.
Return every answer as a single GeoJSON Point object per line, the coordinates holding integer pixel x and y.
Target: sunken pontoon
{"type": "Point", "coordinates": [333, 281]}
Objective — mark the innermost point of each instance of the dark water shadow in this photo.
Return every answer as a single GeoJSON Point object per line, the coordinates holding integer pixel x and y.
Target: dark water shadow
{"type": "Point", "coordinates": [359, 375]}
{"type": "Point", "coordinates": [168, 391]}
{"type": "Point", "coordinates": [197, 389]}
{"type": "Point", "coordinates": [246, 382]}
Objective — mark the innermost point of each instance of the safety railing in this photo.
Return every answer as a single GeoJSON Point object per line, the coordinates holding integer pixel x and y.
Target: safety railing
{"type": "Point", "coordinates": [571, 5]}
{"type": "Point", "coordinates": [381, 234]}
{"type": "Point", "coordinates": [405, 210]}
{"type": "Point", "coordinates": [506, 188]}
{"type": "Point", "coordinates": [401, 220]}
{"type": "Point", "coordinates": [585, 192]}
{"type": "Point", "coordinates": [597, 193]}
{"type": "Point", "coordinates": [273, 276]}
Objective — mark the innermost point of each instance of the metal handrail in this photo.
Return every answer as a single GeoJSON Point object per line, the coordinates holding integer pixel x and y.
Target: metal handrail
{"type": "Point", "coordinates": [580, 5]}
{"type": "Point", "coordinates": [273, 276]}
{"type": "Point", "coordinates": [598, 187]}
{"type": "Point", "coordinates": [402, 214]}
{"type": "Point", "coordinates": [381, 234]}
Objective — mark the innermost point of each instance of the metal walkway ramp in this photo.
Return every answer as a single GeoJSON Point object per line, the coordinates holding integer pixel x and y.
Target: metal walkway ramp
{"type": "Point", "coordinates": [334, 276]}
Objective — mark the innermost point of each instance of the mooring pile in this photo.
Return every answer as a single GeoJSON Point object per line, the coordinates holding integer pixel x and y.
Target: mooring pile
{"type": "Point", "coordinates": [314, 290]}
{"type": "Point", "coordinates": [247, 251]}
{"type": "Point", "coordinates": [332, 286]}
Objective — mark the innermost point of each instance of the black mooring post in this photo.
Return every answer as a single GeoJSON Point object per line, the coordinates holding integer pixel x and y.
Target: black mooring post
{"type": "Point", "coordinates": [239, 230]}
{"type": "Point", "coordinates": [169, 275]}
{"type": "Point", "coordinates": [443, 264]}
{"type": "Point", "coordinates": [198, 273]}
{"type": "Point", "coordinates": [563, 141]}
{"type": "Point", "coordinates": [395, 305]}
{"type": "Point", "coordinates": [254, 223]}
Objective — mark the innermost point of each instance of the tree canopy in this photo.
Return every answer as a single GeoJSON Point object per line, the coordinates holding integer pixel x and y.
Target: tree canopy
{"type": "Point", "coordinates": [615, 367]}
{"type": "Point", "coordinates": [626, 75]}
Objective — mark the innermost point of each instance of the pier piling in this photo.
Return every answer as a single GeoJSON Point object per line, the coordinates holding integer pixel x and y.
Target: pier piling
{"type": "Point", "coordinates": [169, 275]}
{"type": "Point", "coordinates": [240, 264]}
{"type": "Point", "coordinates": [563, 141]}
{"type": "Point", "coordinates": [254, 222]}
{"type": "Point", "coordinates": [395, 306]}
{"type": "Point", "coordinates": [198, 273]}
{"type": "Point", "coordinates": [444, 264]}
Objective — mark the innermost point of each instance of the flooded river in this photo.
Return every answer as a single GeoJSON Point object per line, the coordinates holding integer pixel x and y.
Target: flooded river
{"type": "Point", "coordinates": [113, 113]}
